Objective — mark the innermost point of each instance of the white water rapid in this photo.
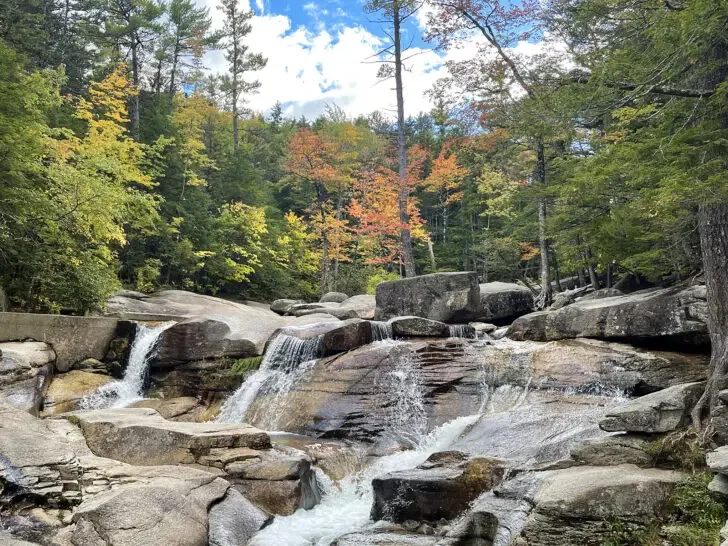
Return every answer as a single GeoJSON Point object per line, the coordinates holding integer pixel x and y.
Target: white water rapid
{"type": "Point", "coordinates": [345, 506]}
{"type": "Point", "coordinates": [279, 372]}
{"type": "Point", "coordinates": [120, 394]}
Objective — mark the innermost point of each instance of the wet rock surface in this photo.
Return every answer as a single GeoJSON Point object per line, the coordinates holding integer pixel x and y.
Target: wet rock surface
{"type": "Point", "coordinates": [346, 396]}
{"type": "Point", "coordinates": [441, 487]}
{"type": "Point", "coordinates": [67, 390]}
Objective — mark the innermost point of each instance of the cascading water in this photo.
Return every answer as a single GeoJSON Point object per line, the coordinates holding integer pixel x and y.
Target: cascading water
{"type": "Point", "coordinates": [402, 398]}
{"type": "Point", "coordinates": [131, 388]}
{"type": "Point", "coordinates": [381, 331]}
{"type": "Point", "coordinates": [461, 331]}
{"type": "Point", "coordinates": [345, 508]}
{"type": "Point", "coordinates": [279, 372]}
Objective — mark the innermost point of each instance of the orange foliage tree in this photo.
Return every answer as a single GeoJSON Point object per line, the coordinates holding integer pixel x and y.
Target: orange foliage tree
{"type": "Point", "coordinates": [317, 161]}
{"type": "Point", "coordinates": [375, 207]}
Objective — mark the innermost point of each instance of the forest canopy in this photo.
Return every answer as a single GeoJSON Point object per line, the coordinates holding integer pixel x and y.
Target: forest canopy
{"type": "Point", "coordinates": [125, 163]}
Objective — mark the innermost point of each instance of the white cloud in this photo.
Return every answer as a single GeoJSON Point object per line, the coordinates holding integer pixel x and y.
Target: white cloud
{"type": "Point", "coordinates": [308, 69]}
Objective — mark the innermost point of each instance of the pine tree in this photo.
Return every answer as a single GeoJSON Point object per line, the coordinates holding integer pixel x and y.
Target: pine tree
{"type": "Point", "coordinates": [240, 60]}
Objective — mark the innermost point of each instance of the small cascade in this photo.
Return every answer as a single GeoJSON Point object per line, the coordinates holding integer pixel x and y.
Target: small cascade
{"type": "Point", "coordinates": [464, 331]}
{"type": "Point", "coordinates": [278, 372]}
{"type": "Point", "coordinates": [403, 399]}
{"type": "Point", "coordinates": [345, 507]}
{"type": "Point", "coordinates": [381, 331]}
{"type": "Point", "coordinates": [131, 388]}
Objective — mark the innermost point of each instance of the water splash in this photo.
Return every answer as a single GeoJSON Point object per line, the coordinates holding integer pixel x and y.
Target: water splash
{"type": "Point", "coordinates": [345, 507]}
{"type": "Point", "coordinates": [464, 331]}
{"type": "Point", "coordinates": [284, 355]}
{"type": "Point", "coordinates": [120, 394]}
{"type": "Point", "coordinates": [381, 330]}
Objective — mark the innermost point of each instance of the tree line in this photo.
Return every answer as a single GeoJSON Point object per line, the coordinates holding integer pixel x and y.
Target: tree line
{"type": "Point", "coordinates": [124, 162]}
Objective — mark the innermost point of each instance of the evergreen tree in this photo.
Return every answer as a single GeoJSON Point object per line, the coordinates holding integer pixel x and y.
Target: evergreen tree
{"type": "Point", "coordinates": [240, 60]}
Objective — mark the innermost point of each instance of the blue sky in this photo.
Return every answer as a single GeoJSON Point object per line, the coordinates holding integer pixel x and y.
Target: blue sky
{"type": "Point", "coordinates": [318, 53]}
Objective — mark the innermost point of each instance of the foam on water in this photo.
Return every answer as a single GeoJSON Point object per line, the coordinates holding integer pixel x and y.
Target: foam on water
{"type": "Point", "coordinates": [130, 389]}
{"type": "Point", "coordinates": [345, 506]}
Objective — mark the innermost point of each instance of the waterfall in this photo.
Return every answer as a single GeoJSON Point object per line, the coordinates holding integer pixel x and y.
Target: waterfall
{"type": "Point", "coordinates": [120, 394]}
{"type": "Point", "coordinates": [403, 398]}
{"type": "Point", "coordinates": [345, 508]}
{"type": "Point", "coordinates": [278, 369]}
{"type": "Point", "coordinates": [461, 331]}
{"type": "Point", "coordinates": [381, 331]}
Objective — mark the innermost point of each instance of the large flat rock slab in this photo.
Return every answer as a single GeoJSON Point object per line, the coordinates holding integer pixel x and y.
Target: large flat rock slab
{"type": "Point", "coordinates": [143, 437]}
{"type": "Point", "coordinates": [170, 508]}
{"type": "Point", "coordinates": [674, 315]}
{"type": "Point", "coordinates": [73, 339]}
{"type": "Point", "coordinates": [571, 505]}
{"type": "Point", "coordinates": [662, 411]}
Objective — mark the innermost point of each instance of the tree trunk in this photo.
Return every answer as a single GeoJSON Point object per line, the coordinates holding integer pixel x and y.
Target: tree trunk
{"type": "Point", "coordinates": [592, 274]}
{"type": "Point", "coordinates": [339, 212]}
{"type": "Point", "coordinates": [557, 275]}
{"type": "Point", "coordinates": [235, 117]}
{"type": "Point", "coordinates": [609, 275]}
{"type": "Point", "coordinates": [405, 235]}
{"type": "Point", "coordinates": [325, 260]}
{"type": "Point", "coordinates": [546, 294]}
{"type": "Point", "coordinates": [235, 74]}
{"type": "Point", "coordinates": [713, 227]}
{"type": "Point", "coordinates": [582, 280]}
{"type": "Point", "coordinates": [431, 251]}
{"type": "Point", "coordinates": [135, 82]}
{"type": "Point", "coordinates": [173, 71]}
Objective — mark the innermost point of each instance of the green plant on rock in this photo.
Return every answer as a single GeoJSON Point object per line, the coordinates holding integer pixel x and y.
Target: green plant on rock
{"type": "Point", "coordinates": [242, 366]}
{"type": "Point", "coordinates": [696, 516]}
{"type": "Point", "coordinates": [693, 517]}
{"type": "Point", "coordinates": [682, 449]}
{"type": "Point", "coordinates": [621, 533]}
